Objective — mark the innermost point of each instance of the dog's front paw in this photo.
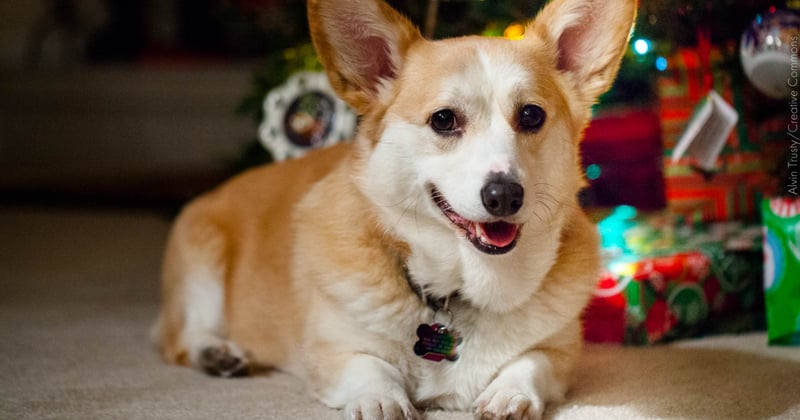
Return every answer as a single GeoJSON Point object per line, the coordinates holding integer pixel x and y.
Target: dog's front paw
{"type": "Point", "coordinates": [225, 360]}
{"type": "Point", "coordinates": [508, 403]}
{"type": "Point", "coordinates": [380, 407]}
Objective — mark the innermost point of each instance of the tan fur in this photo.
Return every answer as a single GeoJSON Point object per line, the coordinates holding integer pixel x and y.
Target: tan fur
{"type": "Point", "coordinates": [229, 228]}
{"type": "Point", "coordinates": [311, 264]}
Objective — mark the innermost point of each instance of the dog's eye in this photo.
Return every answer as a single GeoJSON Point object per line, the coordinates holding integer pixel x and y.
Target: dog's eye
{"type": "Point", "coordinates": [444, 121]}
{"type": "Point", "coordinates": [531, 118]}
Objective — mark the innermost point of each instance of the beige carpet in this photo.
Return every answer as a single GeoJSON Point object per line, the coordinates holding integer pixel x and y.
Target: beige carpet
{"type": "Point", "coordinates": [78, 290]}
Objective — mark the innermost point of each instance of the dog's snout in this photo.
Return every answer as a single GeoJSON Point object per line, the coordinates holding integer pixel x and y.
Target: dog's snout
{"type": "Point", "coordinates": [502, 196]}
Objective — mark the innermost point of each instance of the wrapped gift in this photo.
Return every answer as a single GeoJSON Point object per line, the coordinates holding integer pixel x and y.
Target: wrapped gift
{"type": "Point", "coordinates": [684, 85]}
{"type": "Point", "coordinates": [668, 281]}
{"type": "Point", "coordinates": [622, 156]}
{"type": "Point", "coordinates": [734, 189]}
{"type": "Point", "coordinates": [782, 269]}
{"type": "Point", "coordinates": [656, 298]}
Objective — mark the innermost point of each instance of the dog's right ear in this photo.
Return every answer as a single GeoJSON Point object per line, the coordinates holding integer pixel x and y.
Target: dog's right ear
{"type": "Point", "coordinates": [361, 43]}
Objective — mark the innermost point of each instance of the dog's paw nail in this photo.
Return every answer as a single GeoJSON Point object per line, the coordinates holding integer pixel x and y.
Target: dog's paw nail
{"type": "Point", "coordinates": [509, 404]}
{"type": "Point", "coordinates": [223, 361]}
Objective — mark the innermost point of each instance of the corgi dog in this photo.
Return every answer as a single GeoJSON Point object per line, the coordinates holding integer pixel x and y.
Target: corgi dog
{"type": "Point", "coordinates": [440, 259]}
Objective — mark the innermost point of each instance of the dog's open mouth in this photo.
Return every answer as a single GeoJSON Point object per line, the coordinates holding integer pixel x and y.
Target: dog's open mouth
{"type": "Point", "coordinates": [493, 238]}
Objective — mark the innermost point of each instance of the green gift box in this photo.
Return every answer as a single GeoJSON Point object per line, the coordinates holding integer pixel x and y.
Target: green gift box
{"type": "Point", "coordinates": [782, 269]}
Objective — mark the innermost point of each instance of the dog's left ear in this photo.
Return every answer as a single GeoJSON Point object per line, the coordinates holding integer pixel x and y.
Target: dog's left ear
{"type": "Point", "coordinates": [362, 44]}
{"type": "Point", "coordinates": [590, 37]}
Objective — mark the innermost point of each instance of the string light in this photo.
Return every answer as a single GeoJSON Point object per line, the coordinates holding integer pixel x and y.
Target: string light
{"type": "Point", "coordinates": [661, 63]}
{"type": "Point", "coordinates": [641, 46]}
{"type": "Point", "coordinates": [593, 171]}
{"type": "Point", "coordinates": [514, 31]}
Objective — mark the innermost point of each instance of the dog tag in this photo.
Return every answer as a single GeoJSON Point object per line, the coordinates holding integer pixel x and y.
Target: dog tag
{"type": "Point", "coordinates": [436, 342]}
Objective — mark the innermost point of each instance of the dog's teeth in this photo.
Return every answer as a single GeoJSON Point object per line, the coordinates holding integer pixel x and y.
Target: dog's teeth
{"type": "Point", "coordinates": [479, 232]}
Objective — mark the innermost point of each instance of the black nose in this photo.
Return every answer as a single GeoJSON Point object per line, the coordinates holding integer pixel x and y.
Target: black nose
{"type": "Point", "coordinates": [502, 196]}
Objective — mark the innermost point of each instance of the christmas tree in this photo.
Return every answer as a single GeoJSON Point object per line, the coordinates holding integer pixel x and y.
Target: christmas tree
{"type": "Point", "coordinates": [662, 28]}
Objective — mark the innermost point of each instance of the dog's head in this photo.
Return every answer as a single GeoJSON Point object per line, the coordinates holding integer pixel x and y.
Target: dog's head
{"type": "Point", "coordinates": [470, 145]}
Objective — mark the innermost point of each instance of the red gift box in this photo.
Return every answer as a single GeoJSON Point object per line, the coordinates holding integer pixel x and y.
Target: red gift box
{"type": "Point", "coordinates": [734, 191]}
{"type": "Point", "coordinates": [646, 303]}
{"type": "Point", "coordinates": [659, 298]}
{"type": "Point", "coordinates": [622, 154]}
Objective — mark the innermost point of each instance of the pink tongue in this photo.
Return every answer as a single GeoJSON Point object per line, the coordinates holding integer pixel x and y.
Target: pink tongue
{"type": "Point", "coordinates": [499, 234]}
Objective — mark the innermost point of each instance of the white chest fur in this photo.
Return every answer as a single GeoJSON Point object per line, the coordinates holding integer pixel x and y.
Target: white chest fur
{"type": "Point", "coordinates": [490, 341]}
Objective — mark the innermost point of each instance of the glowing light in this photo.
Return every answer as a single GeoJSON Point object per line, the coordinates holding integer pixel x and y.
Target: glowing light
{"type": "Point", "coordinates": [641, 46]}
{"type": "Point", "coordinates": [514, 31]}
{"type": "Point", "coordinates": [625, 212]}
{"type": "Point", "coordinates": [593, 171]}
{"type": "Point", "coordinates": [661, 63]}
{"type": "Point", "coordinates": [622, 268]}
{"type": "Point", "coordinates": [613, 227]}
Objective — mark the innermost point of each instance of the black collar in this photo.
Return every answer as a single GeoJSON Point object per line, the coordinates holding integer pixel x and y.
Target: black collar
{"type": "Point", "coordinates": [436, 303]}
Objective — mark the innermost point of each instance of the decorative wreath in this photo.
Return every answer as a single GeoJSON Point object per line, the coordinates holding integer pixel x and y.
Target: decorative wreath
{"type": "Point", "coordinates": [304, 114]}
